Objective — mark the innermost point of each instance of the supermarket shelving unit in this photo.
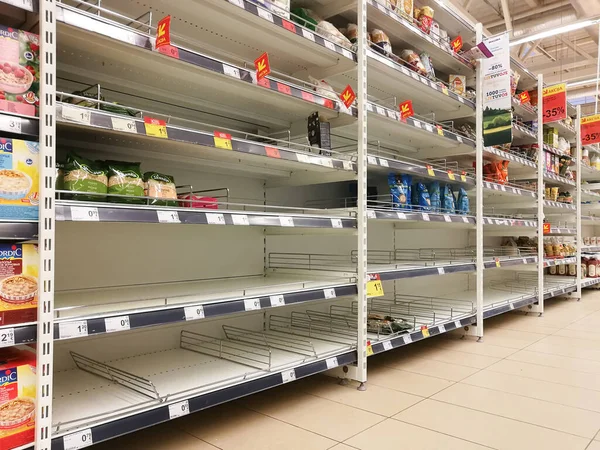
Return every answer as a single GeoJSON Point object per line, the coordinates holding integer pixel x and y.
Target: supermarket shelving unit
{"type": "Point", "coordinates": [154, 312]}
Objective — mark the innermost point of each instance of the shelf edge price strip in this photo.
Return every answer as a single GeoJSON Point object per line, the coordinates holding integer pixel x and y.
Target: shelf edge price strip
{"type": "Point", "coordinates": [156, 128]}
{"type": "Point", "coordinates": [374, 286]}
{"type": "Point", "coordinates": [78, 440]}
{"type": "Point", "coordinates": [114, 324]}
{"type": "Point", "coordinates": [7, 337]}
{"type": "Point", "coordinates": [222, 140]}
{"type": "Point", "coordinates": [67, 330]}
{"type": "Point", "coordinates": [179, 409]}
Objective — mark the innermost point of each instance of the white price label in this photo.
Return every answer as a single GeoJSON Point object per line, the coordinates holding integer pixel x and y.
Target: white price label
{"type": "Point", "coordinates": [380, 110]}
{"type": "Point", "coordinates": [383, 162]}
{"type": "Point", "coordinates": [265, 14]}
{"type": "Point", "coordinates": [231, 71]}
{"type": "Point", "coordinates": [405, 71]}
{"type": "Point", "coordinates": [371, 214]}
{"type": "Point", "coordinates": [308, 35]}
{"type": "Point", "coordinates": [401, 216]}
{"type": "Point", "coordinates": [457, 324]}
{"type": "Point", "coordinates": [441, 328]}
{"type": "Point", "coordinates": [503, 188]}
{"type": "Point", "coordinates": [347, 53]}
{"type": "Point", "coordinates": [179, 409]}
{"type": "Point", "coordinates": [447, 218]}
{"type": "Point", "coordinates": [331, 363]}
{"type": "Point", "coordinates": [460, 99]}
{"type": "Point", "coordinates": [425, 217]}
{"type": "Point", "coordinates": [10, 124]}
{"type": "Point", "coordinates": [347, 165]}
{"type": "Point", "coordinates": [80, 213]}
{"type": "Point", "coordinates": [407, 339]}
{"type": "Point", "coordinates": [330, 45]}
{"type": "Point", "coordinates": [387, 345]}
{"type": "Point", "coordinates": [415, 76]}
{"type": "Point", "coordinates": [465, 219]}
{"type": "Point", "coordinates": [252, 304]}
{"type": "Point", "coordinates": [428, 127]}
{"type": "Point", "coordinates": [372, 160]}
{"type": "Point", "coordinates": [369, 107]}
{"type": "Point", "coordinates": [168, 216]}
{"type": "Point", "coordinates": [113, 324]}
{"type": "Point", "coordinates": [239, 3]}
{"type": "Point", "coordinates": [329, 293]}
{"type": "Point", "coordinates": [424, 81]}
{"type": "Point", "coordinates": [326, 162]}
{"type": "Point", "coordinates": [459, 139]}
{"type": "Point", "coordinates": [240, 219]}
{"type": "Point", "coordinates": [125, 125]}
{"type": "Point", "coordinates": [78, 115]}
{"type": "Point", "coordinates": [7, 337]}
{"type": "Point", "coordinates": [277, 300]}
{"type": "Point", "coordinates": [194, 312]}
{"type": "Point", "coordinates": [78, 440]}
{"type": "Point", "coordinates": [67, 330]}
{"type": "Point", "coordinates": [336, 223]}
{"type": "Point", "coordinates": [441, 271]}
{"type": "Point", "coordinates": [512, 306]}
{"type": "Point", "coordinates": [288, 375]}
{"type": "Point", "coordinates": [303, 158]}
{"type": "Point", "coordinates": [215, 219]}
{"type": "Point", "coordinates": [286, 221]}
{"type": "Point", "coordinates": [417, 124]}
{"type": "Point", "coordinates": [524, 260]}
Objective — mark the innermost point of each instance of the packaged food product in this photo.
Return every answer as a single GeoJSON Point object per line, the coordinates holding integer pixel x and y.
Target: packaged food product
{"type": "Point", "coordinates": [382, 324]}
{"type": "Point", "coordinates": [563, 162]}
{"type": "Point", "coordinates": [458, 83]}
{"type": "Point", "coordinates": [279, 7]}
{"type": "Point", "coordinates": [405, 7]}
{"type": "Point", "coordinates": [562, 269]}
{"type": "Point", "coordinates": [462, 206]}
{"type": "Point", "coordinates": [420, 197]}
{"type": "Point", "coordinates": [125, 178]}
{"type": "Point", "coordinates": [333, 34]}
{"type": "Point", "coordinates": [411, 57]}
{"type": "Point", "coordinates": [352, 33]}
{"type": "Point", "coordinates": [400, 190]}
{"type": "Point", "coordinates": [448, 203]}
{"type": "Point", "coordinates": [416, 13]}
{"type": "Point", "coordinates": [514, 81]}
{"type": "Point", "coordinates": [425, 18]}
{"type": "Point", "coordinates": [17, 396]}
{"type": "Point", "coordinates": [428, 65]}
{"type": "Point", "coordinates": [306, 18]}
{"type": "Point", "coordinates": [84, 175]}
{"type": "Point", "coordinates": [584, 273]}
{"type": "Point", "coordinates": [19, 77]}
{"type": "Point", "coordinates": [19, 271]}
{"type": "Point", "coordinates": [161, 186]}
{"type": "Point", "coordinates": [19, 179]}
{"type": "Point", "coordinates": [114, 107]}
{"type": "Point", "coordinates": [552, 270]}
{"type": "Point", "coordinates": [323, 88]}
{"type": "Point", "coordinates": [572, 270]}
{"type": "Point", "coordinates": [435, 197]}
{"type": "Point", "coordinates": [381, 42]}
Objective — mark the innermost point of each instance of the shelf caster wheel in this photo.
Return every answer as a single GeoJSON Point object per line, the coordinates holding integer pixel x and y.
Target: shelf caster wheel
{"type": "Point", "coordinates": [480, 339]}
{"type": "Point", "coordinates": [540, 314]}
{"type": "Point", "coordinates": [362, 387]}
{"type": "Point", "coordinates": [343, 382]}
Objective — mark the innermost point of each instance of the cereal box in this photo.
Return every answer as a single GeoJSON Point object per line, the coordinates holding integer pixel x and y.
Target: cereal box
{"type": "Point", "coordinates": [19, 179]}
{"type": "Point", "coordinates": [17, 396]}
{"type": "Point", "coordinates": [18, 283]}
{"type": "Point", "coordinates": [19, 71]}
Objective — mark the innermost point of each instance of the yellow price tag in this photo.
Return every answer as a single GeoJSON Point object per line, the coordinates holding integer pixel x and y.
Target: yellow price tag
{"type": "Point", "coordinates": [155, 128]}
{"type": "Point", "coordinates": [430, 171]}
{"type": "Point", "coordinates": [223, 140]}
{"type": "Point", "coordinates": [425, 332]}
{"type": "Point", "coordinates": [497, 262]}
{"type": "Point", "coordinates": [440, 130]}
{"type": "Point", "coordinates": [451, 175]}
{"type": "Point", "coordinates": [374, 286]}
{"type": "Point", "coordinates": [463, 177]}
{"type": "Point", "coordinates": [369, 349]}
{"type": "Point", "coordinates": [445, 90]}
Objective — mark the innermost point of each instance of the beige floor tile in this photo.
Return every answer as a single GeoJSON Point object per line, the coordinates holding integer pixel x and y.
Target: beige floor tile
{"type": "Point", "coordinates": [231, 427]}
{"type": "Point", "coordinates": [579, 333]}
{"type": "Point", "coordinates": [594, 445]}
{"type": "Point", "coordinates": [450, 356]}
{"type": "Point", "coordinates": [470, 345]}
{"type": "Point", "coordinates": [542, 390]}
{"type": "Point", "coordinates": [552, 374]}
{"type": "Point", "coordinates": [408, 437]}
{"type": "Point", "coordinates": [538, 412]}
{"type": "Point", "coordinates": [375, 399]}
{"type": "Point", "coordinates": [342, 447]}
{"type": "Point", "coordinates": [549, 360]}
{"type": "Point", "coordinates": [160, 437]}
{"type": "Point", "coordinates": [565, 349]}
{"type": "Point", "coordinates": [566, 341]}
{"type": "Point", "coordinates": [526, 324]}
{"type": "Point", "coordinates": [487, 429]}
{"type": "Point", "coordinates": [321, 416]}
{"type": "Point", "coordinates": [409, 382]}
{"type": "Point", "coordinates": [510, 338]}
{"type": "Point", "coordinates": [438, 369]}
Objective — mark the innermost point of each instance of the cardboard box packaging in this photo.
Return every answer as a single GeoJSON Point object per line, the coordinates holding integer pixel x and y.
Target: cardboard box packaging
{"type": "Point", "coordinates": [19, 267]}
{"type": "Point", "coordinates": [19, 179]}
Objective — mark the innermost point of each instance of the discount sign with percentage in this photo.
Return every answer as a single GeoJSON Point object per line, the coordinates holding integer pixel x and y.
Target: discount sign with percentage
{"type": "Point", "coordinates": [163, 32]}
{"type": "Point", "coordinates": [554, 103]}
{"type": "Point", "coordinates": [590, 129]}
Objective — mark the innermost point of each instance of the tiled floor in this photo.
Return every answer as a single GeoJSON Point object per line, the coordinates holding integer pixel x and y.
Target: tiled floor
{"type": "Point", "coordinates": [532, 384]}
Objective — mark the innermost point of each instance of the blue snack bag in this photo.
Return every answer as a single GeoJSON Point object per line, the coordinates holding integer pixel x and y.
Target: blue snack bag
{"type": "Point", "coordinates": [421, 197]}
{"type": "Point", "coordinates": [434, 196]}
{"type": "Point", "coordinates": [448, 203]}
{"type": "Point", "coordinates": [405, 184]}
{"type": "Point", "coordinates": [463, 202]}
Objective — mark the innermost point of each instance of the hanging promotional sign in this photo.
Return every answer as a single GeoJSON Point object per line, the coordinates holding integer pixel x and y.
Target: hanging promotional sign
{"type": "Point", "coordinates": [497, 103]}
{"type": "Point", "coordinates": [590, 130]}
{"type": "Point", "coordinates": [263, 68]}
{"type": "Point", "coordinates": [163, 32]}
{"type": "Point", "coordinates": [406, 109]}
{"type": "Point", "coordinates": [554, 103]}
{"type": "Point", "coordinates": [524, 97]}
{"type": "Point", "coordinates": [348, 96]}
{"type": "Point", "coordinates": [457, 44]}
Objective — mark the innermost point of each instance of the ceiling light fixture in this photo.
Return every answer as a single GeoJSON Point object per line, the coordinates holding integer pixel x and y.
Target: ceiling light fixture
{"type": "Point", "coordinates": [555, 31]}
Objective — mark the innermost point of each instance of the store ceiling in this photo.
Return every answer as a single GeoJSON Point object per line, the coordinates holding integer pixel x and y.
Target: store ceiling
{"type": "Point", "coordinates": [568, 57]}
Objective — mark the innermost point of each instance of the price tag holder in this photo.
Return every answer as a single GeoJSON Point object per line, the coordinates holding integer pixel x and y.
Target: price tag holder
{"type": "Point", "coordinates": [288, 376]}
{"type": "Point", "coordinates": [374, 286]}
{"type": "Point", "coordinates": [215, 219]}
{"type": "Point", "coordinates": [447, 218]}
{"type": "Point", "coordinates": [463, 177]}
{"type": "Point", "coordinates": [7, 337]}
{"type": "Point", "coordinates": [372, 160]}
{"type": "Point", "coordinates": [387, 345]}
{"type": "Point", "coordinates": [407, 339]}
{"type": "Point", "coordinates": [240, 219]}
{"type": "Point", "coordinates": [156, 128]}
{"type": "Point", "coordinates": [337, 223]}
{"type": "Point", "coordinates": [330, 45]}
{"type": "Point", "coordinates": [277, 300]}
{"type": "Point", "coordinates": [231, 71]}
{"type": "Point", "coordinates": [401, 216]}
{"type": "Point", "coordinates": [265, 14]}
{"type": "Point", "coordinates": [67, 330]}
{"type": "Point", "coordinates": [369, 349]}
{"type": "Point", "coordinates": [11, 124]}
{"type": "Point", "coordinates": [329, 293]}
{"type": "Point", "coordinates": [308, 35]}
{"type": "Point", "coordinates": [441, 271]}
{"type": "Point", "coordinates": [83, 214]}
{"type": "Point", "coordinates": [383, 162]}
{"type": "Point", "coordinates": [441, 328]}
{"type": "Point", "coordinates": [78, 115]}
{"type": "Point", "coordinates": [223, 140]}
{"type": "Point", "coordinates": [332, 363]}
{"type": "Point", "coordinates": [286, 221]}
{"type": "Point", "coordinates": [124, 125]}
{"type": "Point", "coordinates": [194, 312]}
{"type": "Point", "coordinates": [78, 440]}
{"type": "Point", "coordinates": [425, 332]}
{"type": "Point", "coordinates": [114, 324]}
{"type": "Point", "coordinates": [252, 304]}
{"type": "Point", "coordinates": [457, 324]}
{"type": "Point", "coordinates": [497, 260]}
{"type": "Point", "coordinates": [430, 171]}
{"type": "Point", "coordinates": [425, 217]}
{"type": "Point", "coordinates": [168, 216]}
{"type": "Point", "coordinates": [451, 175]}
{"type": "Point", "coordinates": [371, 214]}
{"type": "Point", "coordinates": [179, 409]}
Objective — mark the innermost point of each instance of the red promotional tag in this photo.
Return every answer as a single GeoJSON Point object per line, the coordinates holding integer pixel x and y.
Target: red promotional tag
{"type": "Point", "coordinates": [272, 152]}
{"type": "Point", "coordinates": [163, 32]}
{"type": "Point", "coordinates": [554, 103]}
{"type": "Point", "coordinates": [308, 97]}
{"type": "Point", "coordinates": [348, 96]}
{"type": "Point", "coordinates": [524, 97]}
{"type": "Point", "coordinates": [263, 68]}
{"type": "Point", "coordinates": [590, 129]}
{"type": "Point", "coordinates": [288, 25]}
{"type": "Point", "coordinates": [457, 44]}
{"type": "Point", "coordinates": [406, 109]}
{"type": "Point", "coordinates": [284, 88]}
{"type": "Point", "coordinates": [546, 228]}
